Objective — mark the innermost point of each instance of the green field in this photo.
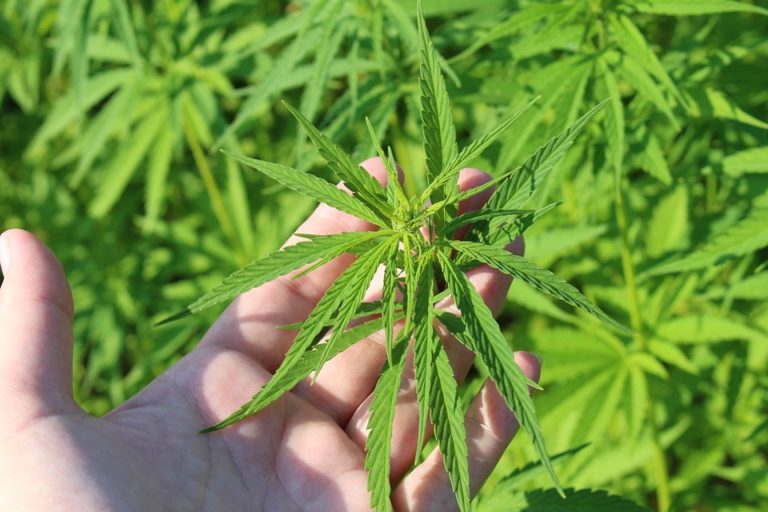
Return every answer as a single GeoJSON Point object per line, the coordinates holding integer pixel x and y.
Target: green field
{"type": "Point", "coordinates": [114, 112]}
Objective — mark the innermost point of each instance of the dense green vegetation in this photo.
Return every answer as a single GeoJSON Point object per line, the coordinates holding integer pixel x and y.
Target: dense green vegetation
{"type": "Point", "coordinates": [113, 112]}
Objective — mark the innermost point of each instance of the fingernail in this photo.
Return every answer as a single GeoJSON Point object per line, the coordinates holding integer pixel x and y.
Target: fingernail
{"type": "Point", "coordinates": [5, 254]}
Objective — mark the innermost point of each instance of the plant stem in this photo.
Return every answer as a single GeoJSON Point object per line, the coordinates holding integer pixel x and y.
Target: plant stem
{"type": "Point", "coordinates": [217, 203]}
{"type": "Point", "coordinates": [628, 269]}
{"type": "Point", "coordinates": [659, 462]}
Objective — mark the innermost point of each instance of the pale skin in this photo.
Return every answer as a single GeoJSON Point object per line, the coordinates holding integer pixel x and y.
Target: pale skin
{"type": "Point", "coordinates": [304, 452]}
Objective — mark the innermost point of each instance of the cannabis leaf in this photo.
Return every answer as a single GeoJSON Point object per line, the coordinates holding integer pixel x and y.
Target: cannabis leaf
{"type": "Point", "coordinates": [418, 272]}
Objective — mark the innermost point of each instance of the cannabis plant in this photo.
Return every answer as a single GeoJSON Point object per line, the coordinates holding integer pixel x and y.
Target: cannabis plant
{"type": "Point", "coordinates": [423, 263]}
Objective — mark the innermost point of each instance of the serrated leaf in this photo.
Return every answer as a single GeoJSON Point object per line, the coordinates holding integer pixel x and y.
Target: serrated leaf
{"type": "Point", "coordinates": [357, 179]}
{"type": "Point", "coordinates": [447, 416]}
{"type": "Point", "coordinates": [654, 161]}
{"type": "Point", "coordinates": [512, 482]}
{"type": "Point", "coordinates": [535, 276]}
{"type": "Point", "coordinates": [437, 123]}
{"type": "Point", "coordinates": [280, 73]}
{"type": "Point", "coordinates": [490, 346]}
{"type": "Point", "coordinates": [388, 300]}
{"type": "Point", "coordinates": [596, 414]}
{"type": "Point", "coordinates": [378, 444]}
{"type": "Point", "coordinates": [157, 172]}
{"type": "Point", "coordinates": [520, 185]}
{"type": "Point", "coordinates": [476, 216]}
{"type": "Point", "coordinates": [312, 186]}
{"type": "Point", "coordinates": [751, 288]}
{"type": "Point", "coordinates": [671, 354]}
{"type": "Point", "coordinates": [393, 181]}
{"type": "Point", "coordinates": [298, 372]}
{"type": "Point", "coordinates": [521, 19]}
{"type": "Point", "coordinates": [634, 44]}
{"type": "Point", "coordinates": [709, 103]}
{"type": "Point", "coordinates": [708, 328]}
{"type": "Point", "coordinates": [353, 295]}
{"type": "Point", "coordinates": [333, 32]}
{"type": "Point", "coordinates": [668, 227]}
{"type": "Point", "coordinates": [452, 168]}
{"type": "Point", "coordinates": [356, 277]}
{"type": "Point", "coordinates": [276, 264]}
{"type": "Point", "coordinates": [424, 345]}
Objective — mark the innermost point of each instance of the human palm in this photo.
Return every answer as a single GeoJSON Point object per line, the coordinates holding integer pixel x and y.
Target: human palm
{"type": "Point", "coordinates": [305, 452]}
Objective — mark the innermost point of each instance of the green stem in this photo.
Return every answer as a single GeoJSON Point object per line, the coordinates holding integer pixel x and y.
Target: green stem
{"type": "Point", "coordinates": [628, 268]}
{"type": "Point", "coordinates": [217, 203]}
{"type": "Point", "coordinates": [659, 459]}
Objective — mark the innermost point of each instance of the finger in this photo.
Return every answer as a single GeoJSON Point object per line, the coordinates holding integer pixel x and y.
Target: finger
{"type": "Point", "coordinates": [490, 426]}
{"type": "Point", "coordinates": [347, 380]}
{"type": "Point", "coordinates": [35, 329]}
{"type": "Point", "coordinates": [249, 323]}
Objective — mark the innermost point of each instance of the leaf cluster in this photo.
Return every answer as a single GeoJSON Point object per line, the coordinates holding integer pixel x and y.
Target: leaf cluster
{"type": "Point", "coordinates": [415, 245]}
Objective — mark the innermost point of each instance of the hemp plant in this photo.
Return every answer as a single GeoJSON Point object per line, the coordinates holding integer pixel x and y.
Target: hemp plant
{"type": "Point", "coordinates": [423, 264]}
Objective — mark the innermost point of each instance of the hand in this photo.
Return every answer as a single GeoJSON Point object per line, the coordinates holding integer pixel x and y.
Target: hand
{"type": "Point", "coordinates": [304, 452]}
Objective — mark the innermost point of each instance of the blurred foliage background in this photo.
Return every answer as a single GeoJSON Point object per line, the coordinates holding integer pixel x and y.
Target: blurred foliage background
{"type": "Point", "coordinates": [113, 111]}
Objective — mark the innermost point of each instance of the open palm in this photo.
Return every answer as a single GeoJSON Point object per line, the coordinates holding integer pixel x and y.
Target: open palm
{"type": "Point", "coordinates": [304, 452]}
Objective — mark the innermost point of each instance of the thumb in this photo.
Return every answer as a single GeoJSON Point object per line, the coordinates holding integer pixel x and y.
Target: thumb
{"type": "Point", "coordinates": [35, 329]}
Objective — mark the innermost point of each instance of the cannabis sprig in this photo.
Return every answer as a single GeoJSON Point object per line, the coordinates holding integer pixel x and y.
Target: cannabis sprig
{"type": "Point", "coordinates": [415, 265]}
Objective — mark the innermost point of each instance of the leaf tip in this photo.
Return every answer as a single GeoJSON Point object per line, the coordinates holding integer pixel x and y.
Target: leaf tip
{"type": "Point", "coordinates": [176, 316]}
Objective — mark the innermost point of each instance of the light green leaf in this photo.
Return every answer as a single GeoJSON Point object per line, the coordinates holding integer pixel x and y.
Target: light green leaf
{"type": "Point", "coordinates": [476, 216]}
{"type": "Point", "coordinates": [378, 445]}
{"type": "Point", "coordinates": [119, 172]}
{"type": "Point", "coordinates": [668, 227]}
{"type": "Point", "coordinates": [743, 237]}
{"type": "Point", "coordinates": [65, 111]}
{"type": "Point", "coordinates": [447, 415]}
{"type": "Point", "coordinates": [312, 186]}
{"type": "Point", "coordinates": [333, 31]}
{"type": "Point", "coordinates": [276, 264]}
{"type": "Point", "coordinates": [355, 178]}
{"type": "Point", "coordinates": [635, 45]}
{"type": "Point", "coordinates": [520, 185]}
{"type": "Point", "coordinates": [307, 38]}
{"type": "Point", "coordinates": [451, 169]}
{"type": "Point", "coordinates": [696, 7]}
{"type": "Point", "coordinates": [288, 379]}
{"type": "Point", "coordinates": [356, 277]}
{"type": "Point", "coordinates": [393, 180]}
{"type": "Point", "coordinates": [535, 276]}
{"type": "Point", "coordinates": [424, 345]}
{"type": "Point", "coordinates": [437, 123]}
{"type": "Point", "coordinates": [514, 480]}
{"type": "Point", "coordinates": [753, 160]}
{"type": "Point", "coordinates": [388, 300]}
{"type": "Point", "coordinates": [489, 344]}
{"type": "Point", "coordinates": [353, 295]}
